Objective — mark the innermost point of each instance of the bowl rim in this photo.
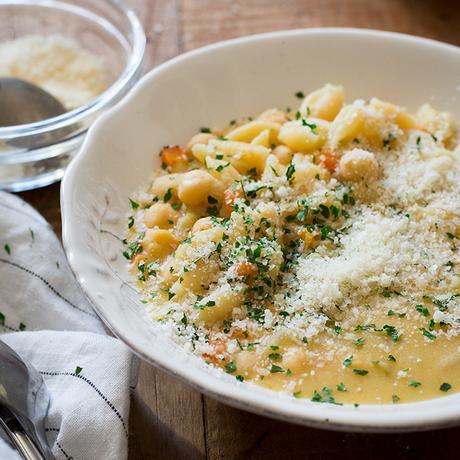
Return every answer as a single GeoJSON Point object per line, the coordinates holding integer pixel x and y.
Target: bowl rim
{"type": "Point", "coordinates": [405, 416]}
{"type": "Point", "coordinates": [110, 94]}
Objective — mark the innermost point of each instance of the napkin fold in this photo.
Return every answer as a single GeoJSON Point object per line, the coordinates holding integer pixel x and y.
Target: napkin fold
{"type": "Point", "coordinates": [46, 318]}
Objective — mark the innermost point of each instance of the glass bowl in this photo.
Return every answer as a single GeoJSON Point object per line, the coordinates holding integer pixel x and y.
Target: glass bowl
{"type": "Point", "coordinates": [35, 154]}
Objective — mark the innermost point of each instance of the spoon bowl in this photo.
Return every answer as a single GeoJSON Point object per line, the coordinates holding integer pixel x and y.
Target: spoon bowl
{"type": "Point", "coordinates": [24, 402]}
{"type": "Point", "coordinates": [22, 102]}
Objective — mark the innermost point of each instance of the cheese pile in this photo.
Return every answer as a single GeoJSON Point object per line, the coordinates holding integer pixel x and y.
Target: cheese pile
{"type": "Point", "coordinates": [57, 64]}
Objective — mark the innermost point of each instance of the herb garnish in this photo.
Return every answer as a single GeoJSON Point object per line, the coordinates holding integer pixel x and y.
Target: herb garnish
{"type": "Point", "coordinates": [414, 384]}
{"type": "Point", "coordinates": [290, 172]}
{"type": "Point", "coordinates": [230, 367]}
{"type": "Point", "coordinates": [276, 369]}
{"type": "Point", "coordinates": [360, 371]}
{"type": "Point", "coordinates": [325, 397]}
{"type": "Point", "coordinates": [445, 386]}
{"type": "Point", "coordinates": [168, 195]}
{"type": "Point", "coordinates": [428, 334]}
{"type": "Point", "coordinates": [134, 204]}
{"type": "Point", "coordinates": [341, 387]}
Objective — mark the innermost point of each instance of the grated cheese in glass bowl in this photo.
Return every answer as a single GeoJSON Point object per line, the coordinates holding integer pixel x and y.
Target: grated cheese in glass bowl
{"type": "Point", "coordinates": [87, 54]}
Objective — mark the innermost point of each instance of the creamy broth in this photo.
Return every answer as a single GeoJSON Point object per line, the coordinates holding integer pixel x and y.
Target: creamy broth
{"type": "Point", "coordinates": [313, 252]}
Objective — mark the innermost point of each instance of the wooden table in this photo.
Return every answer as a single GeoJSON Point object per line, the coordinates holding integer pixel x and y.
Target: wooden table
{"type": "Point", "coordinates": [171, 421]}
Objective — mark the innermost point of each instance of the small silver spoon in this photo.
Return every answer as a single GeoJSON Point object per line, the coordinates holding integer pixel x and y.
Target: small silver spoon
{"type": "Point", "coordinates": [22, 102]}
{"type": "Point", "coordinates": [24, 402]}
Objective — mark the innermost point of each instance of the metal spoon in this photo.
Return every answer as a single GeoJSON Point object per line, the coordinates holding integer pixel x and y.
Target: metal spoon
{"type": "Point", "coordinates": [24, 402]}
{"type": "Point", "coordinates": [22, 102]}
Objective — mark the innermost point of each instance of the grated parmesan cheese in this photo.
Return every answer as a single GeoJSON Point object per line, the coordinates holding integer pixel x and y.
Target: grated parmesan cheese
{"type": "Point", "coordinates": [58, 64]}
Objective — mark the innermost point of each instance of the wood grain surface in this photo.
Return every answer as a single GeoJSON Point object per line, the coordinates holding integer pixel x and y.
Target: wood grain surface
{"type": "Point", "coordinates": [168, 419]}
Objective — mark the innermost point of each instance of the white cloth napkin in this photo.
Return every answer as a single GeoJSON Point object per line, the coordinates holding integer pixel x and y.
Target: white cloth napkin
{"type": "Point", "coordinates": [46, 319]}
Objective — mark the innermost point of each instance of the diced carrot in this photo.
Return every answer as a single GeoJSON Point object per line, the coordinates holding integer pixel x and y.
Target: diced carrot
{"type": "Point", "coordinates": [210, 358]}
{"type": "Point", "coordinates": [170, 156]}
{"type": "Point", "coordinates": [237, 334]}
{"type": "Point", "coordinates": [218, 347]}
{"type": "Point", "coordinates": [230, 196]}
{"type": "Point", "coordinates": [328, 160]}
{"type": "Point", "coordinates": [246, 268]}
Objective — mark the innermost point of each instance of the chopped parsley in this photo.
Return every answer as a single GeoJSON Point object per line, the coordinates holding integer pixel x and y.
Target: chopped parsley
{"type": "Point", "coordinates": [312, 126]}
{"type": "Point", "coordinates": [341, 387]}
{"type": "Point", "coordinates": [209, 303]}
{"type": "Point", "coordinates": [392, 332]}
{"type": "Point", "coordinates": [360, 371]}
{"type": "Point", "coordinates": [445, 387]}
{"type": "Point", "coordinates": [290, 172]}
{"type": "Point", "coordinates": [324, 397]}
{"type": "Point", "coordinates": [220, 168]}
{"type": "Point", "coordinates": [276, 369]}
{"type": "Point", "coordinates": [134, 247]}
{"type": "Point", "coordinates": [184, 320]}
{"type": "Point", "coordinates": [428, 334]}
{"type": "Point", "coordinates": [230, 367]}
{"type": "Point", "coordinates": [275, 356]}
{"type": "Point", "coordinates": [134, 204]}
{"type": "Point", "coordinates": [423, 310]}
{"type": "Point", "coordinates": [168, 195]}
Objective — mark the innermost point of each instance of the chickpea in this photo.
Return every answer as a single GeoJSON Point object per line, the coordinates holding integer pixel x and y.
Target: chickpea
{"type": "Point", "coordinates": [301, 138]}
{"type": "Point", "coordinates": [294, 359]}
{"type": "Point", "coordinates": [159, 243]}
{"type": "Point", "coordinates": [283, 154]}
{"type": "Point", "coordinates": [202, 224]}
{"type": "Point", "coordinates": [196, 186]}
{"type": "Point", "coordinates": [324, 103]}
{"type": "Point", "coordinates": [246, 361]}
{"type": "Point", "coordinates": [160, 215]}
{"type": "Point", "coordinates": [273, 115]}
{"type": "Point", "coordinates": [200, 138]}
{"type": "Point", "coordinates": [162, 184]}
{"type": "Point", "coordinates": [358, 164]}
{"type": "Point", "coordinates": [185, 223]}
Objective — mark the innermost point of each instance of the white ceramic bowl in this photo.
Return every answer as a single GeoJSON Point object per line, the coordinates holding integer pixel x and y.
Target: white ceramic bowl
{"type": "Point", "coordinates": [209, 87]}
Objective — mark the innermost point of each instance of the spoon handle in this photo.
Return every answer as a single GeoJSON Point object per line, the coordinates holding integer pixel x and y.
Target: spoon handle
{"type": "Point", "coordinates": [18, 435]}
